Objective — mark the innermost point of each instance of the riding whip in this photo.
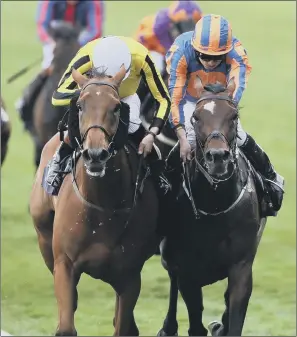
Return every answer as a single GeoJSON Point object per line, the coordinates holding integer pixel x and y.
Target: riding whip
{"type": "Point", "coordinates": [23, 71]}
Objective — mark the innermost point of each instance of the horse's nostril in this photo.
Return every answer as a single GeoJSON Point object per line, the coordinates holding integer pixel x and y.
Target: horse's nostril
{"type": "Point", "coordinates": [214, 155]}
{"type": "Point", "coordinates": [103, 155]}
{"type": "Point", "coordinates": [95, 155]}
{"type": "Point", "coordinates": [86, 155]}
{"type": "Point", "coordinates": [209, 156]}
{"type": "Point", "coordinates": [226, 155]}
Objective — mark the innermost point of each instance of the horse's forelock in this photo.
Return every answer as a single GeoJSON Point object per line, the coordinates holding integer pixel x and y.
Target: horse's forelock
{"type": "Point", "coordinates": [215, 88]}
{"type": "Point", "coordinates": [98, 73]}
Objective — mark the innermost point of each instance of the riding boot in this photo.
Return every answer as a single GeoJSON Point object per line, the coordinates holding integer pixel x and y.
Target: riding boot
{"type": "Point", "coordinates": [261, 163]}
{"type": "Point", "coordinates": [25, 104]}
{"type": "Point", "coordinates": [57, 168]}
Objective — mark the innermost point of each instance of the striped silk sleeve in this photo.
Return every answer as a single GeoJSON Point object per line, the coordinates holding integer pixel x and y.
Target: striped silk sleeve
{"type": "Point", "coordinates": [240, 70]}
{"type": "Point", "coordinates": [67, 87]}
{"type": "Point", "coordinates": [157, 87]}
{"type": "Point", "coordinates": [177, 69]}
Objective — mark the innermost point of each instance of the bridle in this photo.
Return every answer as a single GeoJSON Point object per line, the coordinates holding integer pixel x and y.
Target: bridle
{"type": "Point", "coordinates": [202, 163]}
{"type": "Point", "coordinates": [111, 145]}
{"type": "Point", "coordinates": [213, 181]}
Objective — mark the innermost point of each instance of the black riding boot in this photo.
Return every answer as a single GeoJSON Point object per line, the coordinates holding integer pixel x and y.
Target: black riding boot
{"type": "Point", "coordinates": [56, 169]}
{"type": "Point", "coordinates": [261, 163]}
{"type": "Point", "coordinates": [26, 103]}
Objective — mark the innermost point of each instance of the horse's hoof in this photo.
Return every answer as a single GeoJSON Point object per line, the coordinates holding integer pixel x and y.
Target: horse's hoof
{"type": "Point", "coordinates": [65, 333]}
{"type": "Point", "coordinates": [215, 327]}
{"type": "Point", "coordinates": [163, 333]}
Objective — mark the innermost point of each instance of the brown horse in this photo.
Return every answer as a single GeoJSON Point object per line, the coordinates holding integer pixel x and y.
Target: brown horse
{"type": "Point", "coordinates": [45, 116]}
{"type": "Point", "coordinates": [5, 131]}
{"type": "Point", "coordinates": [95, 225]}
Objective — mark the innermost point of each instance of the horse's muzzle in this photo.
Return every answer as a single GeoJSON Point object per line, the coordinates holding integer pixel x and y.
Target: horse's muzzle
{"type": "Point", "coordinates": [95, 161]}
{"type": "Point", "coordinates": [217, 161]}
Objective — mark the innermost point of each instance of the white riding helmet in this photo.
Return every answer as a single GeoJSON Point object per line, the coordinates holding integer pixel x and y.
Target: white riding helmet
{"type": "Point", "coordinates": [110, 53]}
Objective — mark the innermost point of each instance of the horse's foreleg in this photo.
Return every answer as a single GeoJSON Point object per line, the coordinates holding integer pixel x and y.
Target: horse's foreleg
{"type": "Point", "coordinates": [45, 246]}
{"type": "Point", "coordinates": [124, 322]}
{"type": "Point", "coordinates": [192, 295]}
{"type": "Point", "coordinates": [170, 325]}
{"type": "Point", "coordinates": [221, 328]}
{"type": "Point", "coordinates": [43, 222]}
{"type": "Point", "coordinates": [240, 284]}
{"type": "Point", "coordinates": [65, 290]}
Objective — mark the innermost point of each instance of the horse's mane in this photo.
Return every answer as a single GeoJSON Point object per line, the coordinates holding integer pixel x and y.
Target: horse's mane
{"type": "Point", "coordinates": [215, 87]}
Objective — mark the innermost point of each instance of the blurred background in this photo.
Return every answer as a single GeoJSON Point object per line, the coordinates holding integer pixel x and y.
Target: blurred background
{"type": "Point", "coordinates": [28, 307]}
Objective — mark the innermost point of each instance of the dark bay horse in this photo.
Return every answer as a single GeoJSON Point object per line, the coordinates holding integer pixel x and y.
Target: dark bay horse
{"type": "Point", "coordinates": [216, 223]}
{"type": "Point", "coordinates": [95, 225]}
{"type": "Point", "coordinates": [5, 131]}
{"type": "Point", "coordinates": [46, 117]}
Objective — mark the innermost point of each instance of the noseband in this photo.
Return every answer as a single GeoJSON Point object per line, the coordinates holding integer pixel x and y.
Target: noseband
{"type": "Point", "coordinates": [214, 134]}
{"type": "Point", "coordinates": [111, 149]}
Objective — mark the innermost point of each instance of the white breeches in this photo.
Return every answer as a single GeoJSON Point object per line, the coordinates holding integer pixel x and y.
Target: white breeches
{"type": "Point", "coordinates": [48, 55]}
{"type": "Point", "coordinates": [134, 103]}
{"type": "Point", "coordinates": [189, 108]}
{"type": "Point", "coordinates": [159, 61]}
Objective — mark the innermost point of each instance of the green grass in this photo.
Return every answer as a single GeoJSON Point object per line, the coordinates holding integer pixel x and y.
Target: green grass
{"type": "Point", "coordinates": [267, 30]}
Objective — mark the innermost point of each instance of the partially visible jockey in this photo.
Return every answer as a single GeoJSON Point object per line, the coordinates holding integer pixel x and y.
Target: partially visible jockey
{"type": "Point", "coordinates": [214, 54]}
{"type": "Point", "coordinates": [5, 131]}
{"type": "Point", "coordinates": [158, 32]}
{"type": "Point", "coordinates": [110, 53]}
{"type": "Point", "coordinates": [87, 16]}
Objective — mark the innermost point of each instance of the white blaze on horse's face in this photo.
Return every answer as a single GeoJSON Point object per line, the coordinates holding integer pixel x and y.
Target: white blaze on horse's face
{"type": "Point", "coordinates": [210, 106]}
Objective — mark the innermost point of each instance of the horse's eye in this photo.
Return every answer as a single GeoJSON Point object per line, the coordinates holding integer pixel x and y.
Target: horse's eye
{"type": "Point", "coordinates": [78, 105]}
{"type": "Point", "coordinates": [195, 119]}
{"type": "Point", "coordinates": [117, 109]}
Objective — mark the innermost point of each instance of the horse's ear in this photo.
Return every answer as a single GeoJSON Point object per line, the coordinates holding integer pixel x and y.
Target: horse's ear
{"type": "Point", "coordinates": [231, 86]}
{"type": "Point", "coordinates": [118, 78]}
{"type": "Point", "coordinates": [79, 78]}
{"type": "Point", "coordinates": [198, 86]}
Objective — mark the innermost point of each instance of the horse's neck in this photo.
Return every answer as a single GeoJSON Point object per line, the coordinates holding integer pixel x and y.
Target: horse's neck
{"type": "Point", "coordinates": [211, 198]}
{"type": "Point", "coordinates": [63, 57]}
{"type": "Point", "coordinates": [114, 190]}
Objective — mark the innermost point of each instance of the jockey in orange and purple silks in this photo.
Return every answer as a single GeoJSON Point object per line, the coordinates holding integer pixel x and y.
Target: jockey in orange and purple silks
{"type": "Point", "coordinates": [157, 32]}
{"type": "Point", "coordinates": [214, 54]}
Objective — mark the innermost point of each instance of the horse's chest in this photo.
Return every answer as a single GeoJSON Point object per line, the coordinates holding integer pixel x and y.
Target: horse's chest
{"type": "Point", "coordinates": [110, 263]}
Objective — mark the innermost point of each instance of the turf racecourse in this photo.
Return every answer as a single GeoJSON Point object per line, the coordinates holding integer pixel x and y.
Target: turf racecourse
{"type": "Point", "coordinates": [267, 30]}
